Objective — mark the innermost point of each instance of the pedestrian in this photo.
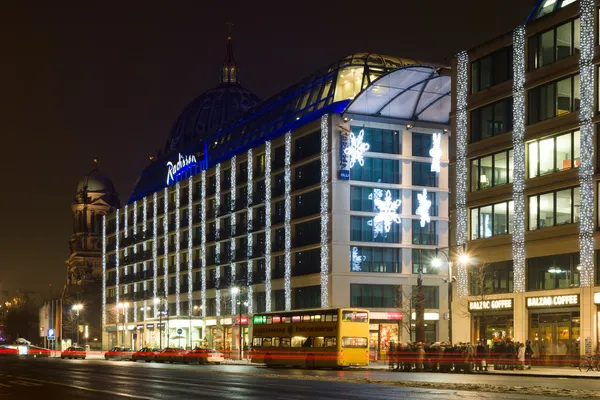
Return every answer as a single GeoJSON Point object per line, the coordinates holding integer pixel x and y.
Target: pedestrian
{"type": "Point", "coordinates": [528, 354]}
{"type": "Point", "coordinates": [521, 356]}
{"type": "Point", "coordinates": [510, 354]}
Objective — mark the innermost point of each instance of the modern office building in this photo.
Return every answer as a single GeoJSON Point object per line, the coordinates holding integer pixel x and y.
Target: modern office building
{"type": "Point", "coordinates": [524, 170]}
{"type": "Point", "coordinates": [320, 196]}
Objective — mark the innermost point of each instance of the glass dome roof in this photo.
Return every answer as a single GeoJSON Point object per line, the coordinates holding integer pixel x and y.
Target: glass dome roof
{"type": "Point", "coordinates": [545, 7]}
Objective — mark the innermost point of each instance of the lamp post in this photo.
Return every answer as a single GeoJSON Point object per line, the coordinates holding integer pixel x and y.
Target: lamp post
{"type": "Point", "coordinates": [158, 302]}
{"type": "Point", "coordinates": [77, 308]}
{"type": "Point", "coordinates": [237, 290]}
{"type": "Point", "coordinates": [124, 307]}
{"type": "Point", "coordinates": [194, 309]}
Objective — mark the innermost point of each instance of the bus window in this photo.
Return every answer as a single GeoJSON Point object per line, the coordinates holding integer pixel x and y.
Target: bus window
{"type": "Point", "coordinates": [329, 318]}
{"type": "Point", "coordinates": [275, 342]}
{"type": "Point", "coordinates": [298, 341]}
{"type": "Point", "coordinates": [334, 317]}
{"type": "Point", "coordinates": [268, 320]}
{"type": "Point", "coordinates": [286, 320]}
{"type": "Point", "coordinates": [318, 341]}
{"type": "Point", "coordinates": [266, 342]}
{"type": "Point", "coordinates": [296, 318]}
{"type": "Point", "coordinates": [276, 320]}
{"type": "Point", "coordinates": [330, 342]}
{"type": "Point", "coordinates": [306, 318]}
{"type": "Point", "coordinates": [257, 342]}
{"type": "Point", "coordinates": [355, 342]}
{"type": "Point", "coordinates": [354, 316]}
{"type": "Point", "coordinates": [308, 342]}
{"type": "Point", "coordinates": [317, 318]}
{"type": "Point", "coordinates": [284, 342]}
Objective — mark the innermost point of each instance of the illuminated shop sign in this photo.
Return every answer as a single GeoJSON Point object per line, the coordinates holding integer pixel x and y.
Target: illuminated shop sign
{"type": "Point", "coordinates": [397, 316]}
{"type": "Point", "coordinates": [553, 301]}
{"type": "Point", "coordinates": [186, 166]}
{"type": "Point", "coordinates": [500, 304]}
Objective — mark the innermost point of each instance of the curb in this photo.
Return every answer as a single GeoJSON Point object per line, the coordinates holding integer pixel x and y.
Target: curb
{"type": "Point", "coordinates": [592, 375]}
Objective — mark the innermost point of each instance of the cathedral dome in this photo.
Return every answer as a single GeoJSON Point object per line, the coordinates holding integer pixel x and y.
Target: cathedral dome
{"type": "Point", "coordinates": [209, 111]}
{"type": "Point", "coordinates": [95, 182]}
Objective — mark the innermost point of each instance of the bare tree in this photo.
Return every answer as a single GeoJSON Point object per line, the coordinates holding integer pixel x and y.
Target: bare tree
{"type": "Point", "coordinates": [479, 289]}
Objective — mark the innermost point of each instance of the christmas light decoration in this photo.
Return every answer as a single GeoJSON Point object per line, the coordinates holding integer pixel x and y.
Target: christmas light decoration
{"type": "Point", "coordinates": [203, 240]}
{"type": "Point", "coordinates": [177, 249]}
{"type": "Point", "coordinates": [233, 220]}
{"type": "Point", "coordinates": [356, 149]}
{"type": "Point", "coordinates": [423, 209]}
{"type": "Point", "coordinates": [166, 241]}
{"type": "Point", "coordinates": [268, 227]}
{"type": "Point", "coordinates": [117, 257]}
{"type": "Point", "coordinates": [104, 270]}
{"type": "Point", "coordinates": [155, 249]}
{"type": "Point", "coordinates": [325, 210]}
{"type": "Point", "coordinates": [249, 193]}
{"type": "Point", "coordinates": [461, 166]}
{"type": "Point", "coordinates": [377, 227]}
{"type": "Point", "coordinates": [287, 278]}
{"type": "Point", "coordinates": [134, 254]}
{"type": "Point", "coordinates": [436, 152]}
{"type": "Point", "coordinates": [387, 211]}
{"type": "Point", "coordinates": [218, 245]}
{"type": "Point", "coordinates": [144, 249]}
{"type": "Point", "coordinates": [586, 169]}
{"type": "Point", "coordinates": [125, 232]}
{"type": "Point", "coordinates": [190, 243]}
{"type": "Point", "coordinates": [356, 260]}
{"type": "Point", "coordinates": [518, 234]}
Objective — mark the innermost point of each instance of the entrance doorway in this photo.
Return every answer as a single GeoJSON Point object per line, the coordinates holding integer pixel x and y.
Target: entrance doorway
{"type": "Point", "coordinates": [555, 337]}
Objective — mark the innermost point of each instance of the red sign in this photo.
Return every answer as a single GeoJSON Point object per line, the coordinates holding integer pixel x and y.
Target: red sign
{"type": "Point", "coordinates": [244, 320]}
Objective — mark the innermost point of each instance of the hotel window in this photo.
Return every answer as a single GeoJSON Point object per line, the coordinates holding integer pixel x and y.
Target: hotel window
{"type": "Point", "coordinates": [554, 208]}
{"type": "Point", "coordinates": [378, 296]}
{"type": "Point", "coordinates": [555, 44]}
{"type": "Point", "coordinates": [431, 296]}
{"type": "Point", "coordinates": [554, 99]}
{"type": "Point", "coordinates": [491, 120]}
{"type": "Point", "coordinates": [431, 196]}
{"type": "Point", "coordinates": [421, 144]}
{"type": "Point", "coordinates": [422, 175]}
{"type": "Point", "coordinates": [307, 297]}
{"type": "Point", "coordinates": [553, 272]}
{"type": "Point", "coordinates": [492, 170]}
{"type": "Point", "coordinates": [422, 258]}
{"type": "Point", "coordinates": [491, 278]}
{"type": "Point", "coordinates": [361, 231]}
{"type": "Point", "coordinates": [553, 154]}
{"type": "Point", "coordinates": [360, 201]}
{"type": "Point", "coordinates": [492, 220]}
{"type": "Point", "coordinates": [426, 235]}
{"type": "Point", "coordinates": [381, 140]}
{"type": "Point", "coordinates": [307, 146]}
{"type": "Point", "coordinates": [377, 170]}
{"type": "Point", "coordinates": [376, 259]}
{"type": "Point", "coordinates": [491, 70]}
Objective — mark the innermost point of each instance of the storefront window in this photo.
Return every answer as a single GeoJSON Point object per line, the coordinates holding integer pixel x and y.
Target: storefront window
{"type": "Point", "coordinates": [492, 328]}
{"type": "Point", "coordinates": [555, 336]}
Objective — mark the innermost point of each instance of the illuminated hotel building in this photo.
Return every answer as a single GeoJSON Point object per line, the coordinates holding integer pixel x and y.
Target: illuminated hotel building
{"type": "Point", "coordinates": [525, 174]}
{"type": "Point", "coordinates": [270, 205]}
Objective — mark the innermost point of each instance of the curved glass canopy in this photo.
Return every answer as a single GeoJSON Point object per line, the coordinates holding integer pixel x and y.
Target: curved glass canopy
{"type": "Point", "coordinates": [411, 93]}
{"type": "Point", "coordinates": [545, 7]}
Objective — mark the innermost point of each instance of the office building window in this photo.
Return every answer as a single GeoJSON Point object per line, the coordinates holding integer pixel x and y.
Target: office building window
{"type": "Point", "coordinates": [421, 144]}
{"type": "Point", "coordinates": [491, 120]}
{"type": "Point", "coordinates": [492, 69]}
{"type": "Point", "coordinates": [554, 208]}
{"type": "Point", "coordinates": [431, 196]}
{"type": "Point", "coordinates": [492, 170]}
{"type": "Point", "coordinates": [424, 235]}
{"type": "Point", "coordinates": [360, 201]}
{"type": "Point", "coordinates": [492, 220]}
{"type": "Point", "coordinates": [431, 296]}
{"type": "Point", "coordinates": [554, 99]}
{"type": "Point", "coordinates": [377, 170]}
{"type": "Point", "coordinates": [555, 44]}
{"type": "Point", "coordinates": [307, 297]}
{"type": "Point", "coordinates": [362, 230]}
{"type": "Point", "coordinates": [553, 154]}
{"type": "Point", "coordinates": [491, 278]}
{"type": "Point", "coordinates": [381, 140]}
{"type": "Point", "coordinates": [423, 259]}
{"type": "Point", "coordinates": [553, 272]}
{"type": "Point", "coordinates": [376, 296]}
{"type": "Point", "coordinates": [422, 174]}
{"type": "Point", "coordinates": [375, 259]}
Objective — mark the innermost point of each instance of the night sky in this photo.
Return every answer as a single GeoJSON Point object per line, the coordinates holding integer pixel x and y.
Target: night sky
{"type": "Point", "coordinates": [108, 79]}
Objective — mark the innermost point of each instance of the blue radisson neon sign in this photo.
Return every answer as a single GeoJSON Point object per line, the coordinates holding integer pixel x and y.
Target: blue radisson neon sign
{"type": "Point", "coordinates": [186, 166]}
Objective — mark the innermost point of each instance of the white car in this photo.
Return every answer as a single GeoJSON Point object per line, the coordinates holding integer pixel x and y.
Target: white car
{"type": "Point", "coordinates": [201, 355]}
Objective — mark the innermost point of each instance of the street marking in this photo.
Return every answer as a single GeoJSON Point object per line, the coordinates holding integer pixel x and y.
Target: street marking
{"type": "Point", "coordinates": [131, 396]}
{"type": "Point", "coordinates": [25, 383]}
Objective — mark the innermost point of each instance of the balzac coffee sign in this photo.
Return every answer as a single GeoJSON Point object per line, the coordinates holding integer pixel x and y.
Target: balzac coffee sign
{"type": "Point", "coordinates": [553, 301]}
{"type": "Point", "coordinates": [499, 304]}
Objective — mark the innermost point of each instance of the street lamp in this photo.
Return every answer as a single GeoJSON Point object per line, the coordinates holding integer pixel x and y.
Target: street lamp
{"type": "Point", "coordinates": [77, 308]}
{"type": "Point", "coordinates": [158, 302]}
{"type": "Point", "coordinates": [124, 307]}
{"type": "Point", "coordinates": [236, 290]}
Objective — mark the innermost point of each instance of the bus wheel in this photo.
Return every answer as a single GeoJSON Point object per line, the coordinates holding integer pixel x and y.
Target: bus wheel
{"type": "Point", "coordinates": [268, 360]}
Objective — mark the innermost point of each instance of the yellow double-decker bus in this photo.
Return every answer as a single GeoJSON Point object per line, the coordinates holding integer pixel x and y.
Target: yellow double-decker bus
{"type": "Point", "coordinates": [319, 338]}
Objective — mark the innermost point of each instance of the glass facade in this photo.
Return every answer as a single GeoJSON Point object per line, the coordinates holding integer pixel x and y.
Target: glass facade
{"type": "Point", "coordinates": [491, 120]}
{"type": "Point", "coordinates": [554, 208]}
{"type": "Point", "coordinates": [491, 278]}
{"type": "Point", "coordinates": [431, 196]}
{"type": "Point", "coordinates": [492, 220]}
{"type": "Point", "coordinates": [426, 235]}
{"type": "Point", "coordinates": [376, 170]}
{"type": "Point", "coordinates": [376, 259]}
{"type": "Point", "coordinates": [307, 297]}
{"type": "Point", "coordinates": [431, 296]}
{"type": "Point", "coordinates": [553, 272]}
{"type": "Point", "coordinates": [492, 69]}
{"type": "Point", "coordinates": [554, 44]}
{"type": "Point", "coordinates": [422, 174]}
{"type": "Point", "coordinates": [492, 170]}
{"type": "Point", "coordinates": [421, 144]}
{"type": "Point", "coordinates": [554, 99]}
{"type": "Point", "coordinates": [553, 154]}
{"type": "Point", "coordinates": [422, 259]}
{"type": "Point", "coordinates": [361, 230]}
{"type": "Point", "coordinates": [360, 201]}
{"type": "Point", "coordinates": [381, 140]}
{"type": "Point", "coordinates": [376, 296]}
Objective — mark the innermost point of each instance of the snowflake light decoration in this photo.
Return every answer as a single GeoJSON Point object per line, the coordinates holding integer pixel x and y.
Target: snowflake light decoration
{"type": "Point", "coordinates": [356, 149]}
{"type": "Point", "coordinates": [423, 209]}
{"type": "Point", "coordinates": [357, 259]}
{"type": "Point", "coordinates": [388, 211]}
{"type": "Point", "coordinates": [436, 152]}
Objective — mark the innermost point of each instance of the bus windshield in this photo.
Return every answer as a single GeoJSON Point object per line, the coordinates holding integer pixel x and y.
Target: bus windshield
{"type": "Point", "coordinates": [354, 316]}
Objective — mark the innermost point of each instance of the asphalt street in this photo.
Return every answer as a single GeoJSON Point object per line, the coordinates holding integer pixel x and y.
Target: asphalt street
{"type": "Point", "coordinates": [99, 379]}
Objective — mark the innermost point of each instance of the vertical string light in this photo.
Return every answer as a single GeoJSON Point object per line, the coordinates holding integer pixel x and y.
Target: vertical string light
{"type": "Point", "coordinates": [104, 270]}
{"type": "Point", "coordinates": [268, 226]}
{"type": "Point", "coordinates": [586, 169]}
{"type": "Point", "coordinates": [461, 166]}
{"type": "Point", "coordinates": [233, 233]}
{"type": "Point", "coordinates": [155, 250]}
{"type": "Point", "coordinates": [177, 249]}
{"type": "Point", "coordinates": [287, 279]}
{"type": "Point", "coordinates": [166, 242]}
{"type": "Point", "coordinates": [249, 193]}
{"type": "Point", "coordinates": [125, 234]}
{"type": "Point", "coordinates": [325, 211]}
{"type": "Point", "coordinates": [145, 249]}
{"type": "Point", "coordinates": [217, 234]}
{"type": "Point", "coordinates": [190, 243]}
{"type": "Point", "coordinates": [134, 260]}
{"type": "Point", "coordinates": [117, 262]}
{"type": "Point", "coordinates": [203, 241]}
{"type": "Point", "coordinates": [518, 236]}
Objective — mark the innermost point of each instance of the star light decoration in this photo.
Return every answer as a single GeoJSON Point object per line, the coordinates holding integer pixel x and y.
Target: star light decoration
{"type": "Point", "coordinates": [436, 152]}
{"type": "Point", "coordinates": [357, 148]}
{"type": "Point", "coordinates": [357, 259]}
{"type": "Point", "coordinates": [423, 209]}
{"type": "Point", "coordinates": [387, 211]}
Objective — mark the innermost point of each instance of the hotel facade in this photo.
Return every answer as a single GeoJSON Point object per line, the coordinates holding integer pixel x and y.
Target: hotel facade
{"type": "Point", "coordinates": [525, 176]}
{"type": "Point", "coordinates": [323, 195]}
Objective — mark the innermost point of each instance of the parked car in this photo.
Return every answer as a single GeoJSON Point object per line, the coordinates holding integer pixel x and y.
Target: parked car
{"type": "Point", "coordinates": [170, 354]}
{"type": "Point", "coordinates": [145, 354]}
{"type": "Point", "coordinates": [38, 352]}
{"type": "Point", "coordinates": [119, 354]}
{"type": "Point", "coordinates": [73, 352]}
{"type": "Point", "coordinates": [6, 351]}
{"type": "Point", "coordinates": [203, 355]}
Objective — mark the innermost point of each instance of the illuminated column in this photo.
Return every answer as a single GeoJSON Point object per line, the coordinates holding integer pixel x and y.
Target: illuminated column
{"type": "Point", "coordinates": [203, 241]}
{"type": "Point", "coordinates": [268, 226]}
{"type": "Point", "coordinates": [134, 260]}
{"type": "Point", "coordinates": [145, 249]}
{"type": "Point", "coordinates": [232, 227]}
{"type": "Point", "coordinates": [518, 236]}
{"type": "Point", "coordinates": [155, 249]}
{"type": "Point", "coordinates": [586, 169]}
{"type": "Point", "coordinates": [125, 233]}
{"type": "Point", "coordinates": [117, 264]}
{"type": "Point", "coordinates": [177, 249]}
{"type": "Point", "coordinates": [249, 193]}
{"type": "Point", "coordinates": [217, 234]}
{"type": "Point", "coordinates": [287, 227]}
{"type": "Point", "coordinates": [166, 242]}
{"type": "Point", "coordinates": [461, 166]}
{"type": "Point", "coordinates": [324, 211]}
{"type": "Point", "coordinates": [104, 270]}
{"type": "Point", "coordinates": [190, 243]}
